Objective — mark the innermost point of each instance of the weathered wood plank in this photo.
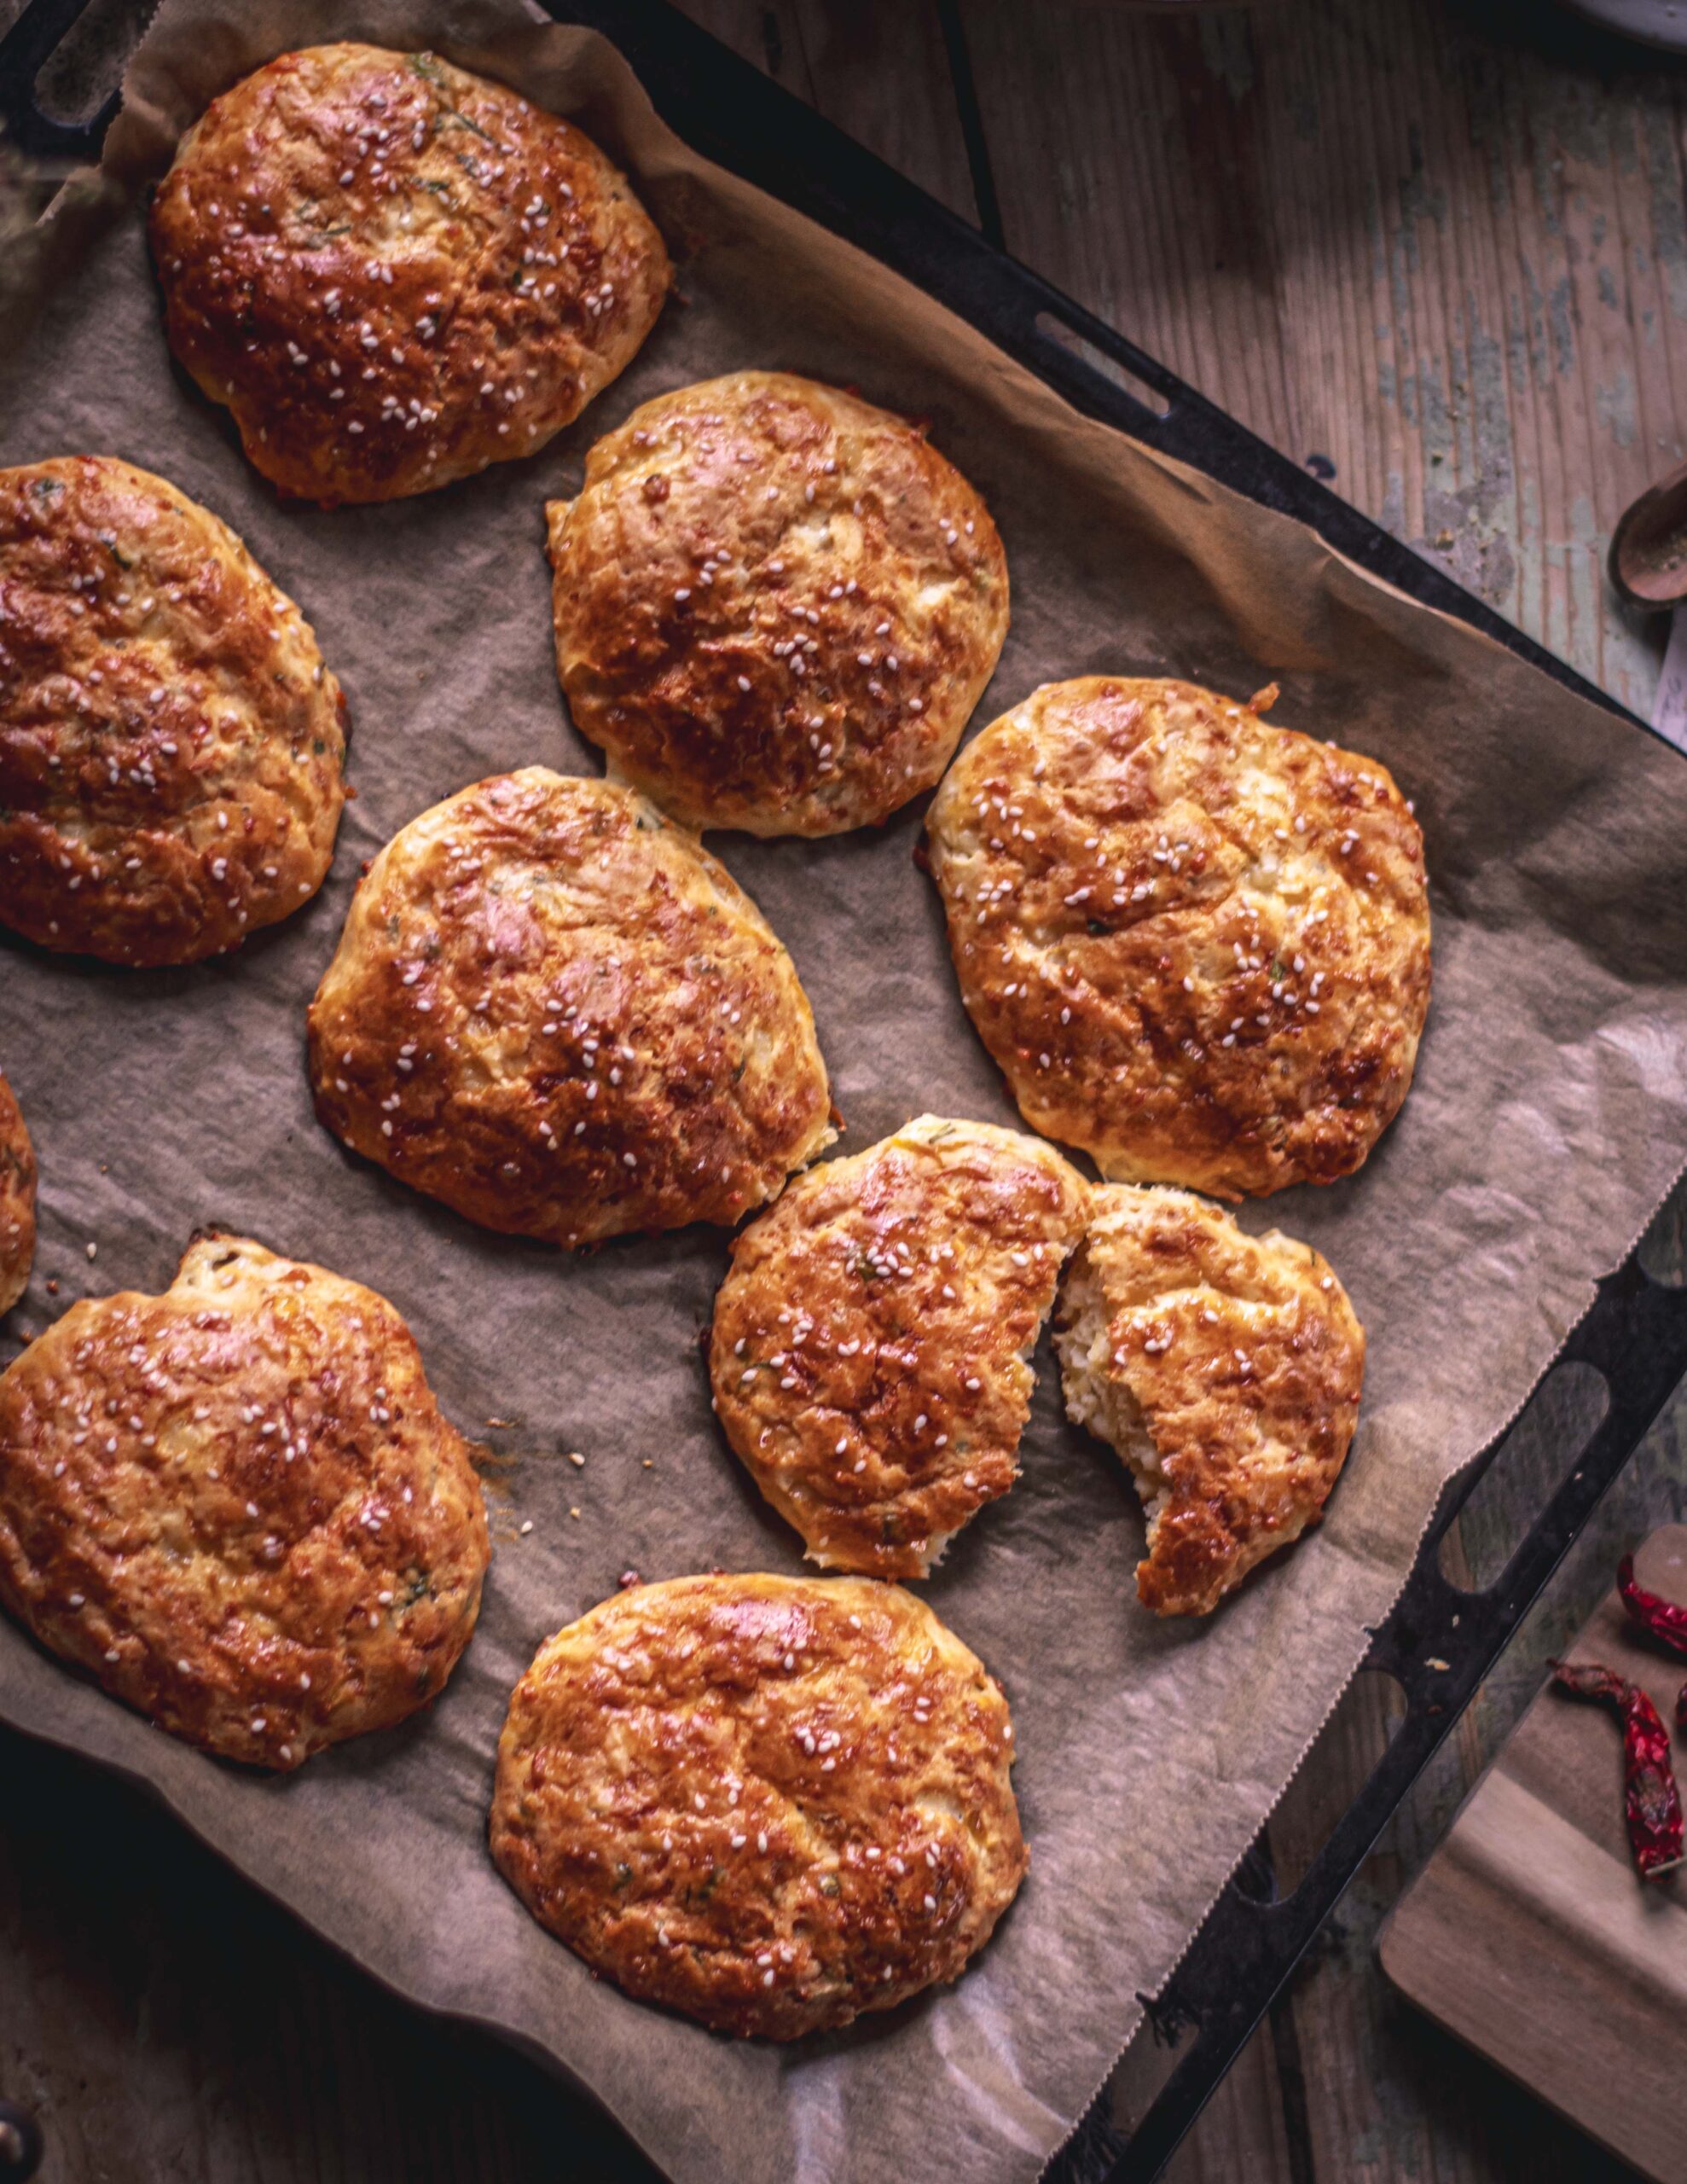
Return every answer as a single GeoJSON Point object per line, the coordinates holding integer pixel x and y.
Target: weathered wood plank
{"type": "Point", "coordinates": [166, 2023]}
{"type": "Point", "coordinates": [876, 67]}
{"type": "Point", "coordinates": [1440, 247]}
{"type": "Point", "coordinates": [1242, 2137]}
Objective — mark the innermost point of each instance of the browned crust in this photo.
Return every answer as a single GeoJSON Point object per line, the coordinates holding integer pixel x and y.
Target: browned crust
{"type": "Point", "coordinates": [552, 1010]}
{"type": "Point", "coordinates": [172, 748]}
{"type": "Point", "coordinates": [771, 1802]}
{"type": "Point", "coordinates": [869, 1355]}
{"type": "Point", "coordinates": [776, 606]}
{"type": "Point", "coordinates": [237, 1507]}
{"type": "Point", "coordinates": [394, 273]}
{"type": "Point", "coordinates": [17, 1199]}
{"type": "Point", "coordinates": [1197, 946]}
{"type": "Point", "coordinates": [1239, 1357]}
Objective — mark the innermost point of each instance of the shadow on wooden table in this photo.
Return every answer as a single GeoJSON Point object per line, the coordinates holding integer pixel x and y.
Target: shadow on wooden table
{"type": "Point", "coordinates": [176, 2025]}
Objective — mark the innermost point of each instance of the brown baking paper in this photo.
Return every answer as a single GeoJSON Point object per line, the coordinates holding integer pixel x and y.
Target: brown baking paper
{"type": "Point", "coordinates": [1549, 1118]}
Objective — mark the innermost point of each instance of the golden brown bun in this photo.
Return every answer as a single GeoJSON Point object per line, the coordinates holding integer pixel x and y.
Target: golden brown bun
{"type": "Point", "coordinates": [393, 273]}
{"type": "Point", "coordinates": [554, 1011]}
{"type": "Point", "coordinates": [776, 606]}
{"type": "Point", "coordinates": [1197, 946]}
{"type": "Point", "coordinates": [17, 1199]}
{"type": "Point", "coordinates": [171, 744]}
{"type": "Point", "coordinates": [870, 1350]}
{"type": "Point", "coordinates": [773, 1803]}
{"type": "Point", "coordinates": [1225, 1370]}
{"type": "Point", "coordinates": [238, 1507]}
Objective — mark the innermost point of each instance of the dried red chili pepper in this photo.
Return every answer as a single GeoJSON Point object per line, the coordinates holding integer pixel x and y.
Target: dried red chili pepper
{"type": "Point", "coordinates": [1653, 1801]}
{"type": "Point", "coordinates": [1661, 1617]}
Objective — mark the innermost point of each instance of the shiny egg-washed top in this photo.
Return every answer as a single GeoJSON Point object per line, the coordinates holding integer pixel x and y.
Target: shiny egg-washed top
{"type": "Point", "coordinates": [772, 1803]}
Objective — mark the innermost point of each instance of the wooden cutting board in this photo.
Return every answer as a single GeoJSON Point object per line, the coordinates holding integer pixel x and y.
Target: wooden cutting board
{"type": "Point", "coordinates": [1529, 1935]}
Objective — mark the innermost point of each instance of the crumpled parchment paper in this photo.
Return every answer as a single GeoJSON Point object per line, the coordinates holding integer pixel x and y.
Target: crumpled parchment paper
{"type": "Point", "coordinates": [1549, 1118]}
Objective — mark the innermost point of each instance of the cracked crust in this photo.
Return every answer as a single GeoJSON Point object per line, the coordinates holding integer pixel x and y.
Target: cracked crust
{"type": "Point", "coordinates": [870, 1344]}
{"type": "Point", "coordinates": [1225, 1368]}
{"type": "Point", "coordinates": [552, 1010]}
{"type": "Point", "coordinates": [172, 748]}
{"type": "Point", "coordinates": [17, 1199]}
{"type": "Point", "coordinates": [772, 1803]}
{"type": "Point", "coordinates": [1195, 946]}
{"type": "Point", "coordinates": [775, 605]}
{"type": "Point", "coordinates": [237, 1507]}
{"type": "Point", "coordinates": [393, 273]}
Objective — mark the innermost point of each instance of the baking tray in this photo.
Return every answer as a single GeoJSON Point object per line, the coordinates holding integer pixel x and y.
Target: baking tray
{"type": "Point", "coordinates": [1439, 1641]}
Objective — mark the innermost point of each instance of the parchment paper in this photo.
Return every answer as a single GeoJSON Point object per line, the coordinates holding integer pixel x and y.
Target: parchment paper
{"type": "Point", "coordinates": [1549, 1118]}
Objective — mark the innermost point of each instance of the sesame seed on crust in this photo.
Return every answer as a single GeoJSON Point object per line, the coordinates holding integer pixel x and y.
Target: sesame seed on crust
{"type": "Point", "coordinates": [394, 273]}
{"type": "Point", "coordinates": [173, 747]}
{"type": "Point", "coordinates": [1225, 1368]}
{"type": "Point", "coordinates": [17, 1199]}
{"type": "Point", "coordinates": [770, 1802]}
{"type": "Point", "coordinates": [775, 605]}
{"type": "Point", "coordinates": [551, 1009]}
{"type": "Point", "coordinates": [238, 1507]}
{"type": "Point", "coordinates": [871, 1343]}
{"type": "Point", "coordinates": [1196, 945]}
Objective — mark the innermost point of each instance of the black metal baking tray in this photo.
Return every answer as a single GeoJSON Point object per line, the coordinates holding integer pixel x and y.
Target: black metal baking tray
{"type": "Point", "coordinates": [1439, 1641]}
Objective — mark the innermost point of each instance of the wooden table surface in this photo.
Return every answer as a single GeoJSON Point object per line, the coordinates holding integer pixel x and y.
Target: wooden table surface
{"type": "Point", "coordinates": [1436, 249]}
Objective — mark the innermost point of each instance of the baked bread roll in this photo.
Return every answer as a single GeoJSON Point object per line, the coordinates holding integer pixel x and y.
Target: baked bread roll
{"type": "Point", "coordinates": [870, 1355]}
{"type": "Point", "coordinates": [772, 1803]}
{"type": "Point", "coordinates": [551, 1009]}
{"type": "Point", "coordinates": [776, 607]}
{"type": "Point", "coordinates": [172, 748]}
{"type": "Point", "coordinates": [1197, 946]}
{"type": "Point", "coordinates": [1225, 1370]}
{"type": "Point", "coordinates": [237, 1507]}
{"type": "Point", "coordinates": [393, 273]}
{"type": "Point", "coordinates": [17, 1199]}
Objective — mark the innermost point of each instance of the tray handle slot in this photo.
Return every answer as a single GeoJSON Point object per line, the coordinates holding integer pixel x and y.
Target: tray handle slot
{"type": "Point", "coordinates": [25, 51]}
{"type": "Point", "coordinates": [1548, 1438]}
{"type": "Point", "coordinates": [1050, 326]}
{"type": "Point", "coordinates": [1663, 1248]}
{"type": "Point", "coordinates": [1098, 369]}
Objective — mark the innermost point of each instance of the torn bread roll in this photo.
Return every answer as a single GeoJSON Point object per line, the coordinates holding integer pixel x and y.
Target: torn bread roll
{"type": "Point", "coordinates": [870, 1357]}
{"type": "Point", "coordinates": [1225, 1370]}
